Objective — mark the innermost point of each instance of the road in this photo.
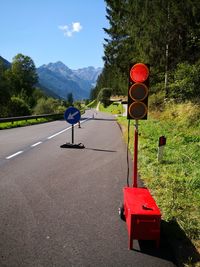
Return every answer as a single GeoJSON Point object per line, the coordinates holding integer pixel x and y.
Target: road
{"type": "Point", "coordinates": [59, 206]}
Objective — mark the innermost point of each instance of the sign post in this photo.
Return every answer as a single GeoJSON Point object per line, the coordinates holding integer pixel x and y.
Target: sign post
{"type": "Point", "coordinates": [72, 115]}
{"type": "Point", "coordinates": [72, 133]}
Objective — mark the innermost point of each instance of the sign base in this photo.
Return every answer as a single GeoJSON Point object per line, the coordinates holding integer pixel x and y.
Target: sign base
{"type": "Point", "coordinates": [69, 145]}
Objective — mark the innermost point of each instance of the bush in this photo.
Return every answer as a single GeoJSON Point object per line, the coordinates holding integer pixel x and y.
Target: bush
{"type": "Point", "coordinates": [156, 101]}
{"type": "Point", "coordinates": [18, 107]}
{"type": "Point", "coordinates": [184, 114]}
{"type": "Point", "coordinates": [47, 106]}
{"type": "Point", "coordinates": [186, 85]}
{"type": "Point", "coordinates": [104, 96]}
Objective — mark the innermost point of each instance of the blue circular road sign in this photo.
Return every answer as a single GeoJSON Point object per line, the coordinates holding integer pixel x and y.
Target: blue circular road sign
{"type": "Point", "coordinates": [72, 115]}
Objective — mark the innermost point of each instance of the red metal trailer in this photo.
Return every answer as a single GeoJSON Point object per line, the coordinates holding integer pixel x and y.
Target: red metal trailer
{"type": "Point", "coordinates": [142, 215]}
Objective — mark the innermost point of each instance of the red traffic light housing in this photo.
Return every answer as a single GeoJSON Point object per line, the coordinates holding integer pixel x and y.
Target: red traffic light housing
{"type": "Point", "coordinates": [138, 91]}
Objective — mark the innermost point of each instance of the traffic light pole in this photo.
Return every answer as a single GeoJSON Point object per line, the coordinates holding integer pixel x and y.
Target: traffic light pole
{"type": "Point", "coordinates": [135, 160]}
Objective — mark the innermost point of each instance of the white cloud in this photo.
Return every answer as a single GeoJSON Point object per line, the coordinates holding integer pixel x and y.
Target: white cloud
{"type": "Point", "coordinates": [69, 30]}
{"type": "Point", "coordinates": [76, 27]}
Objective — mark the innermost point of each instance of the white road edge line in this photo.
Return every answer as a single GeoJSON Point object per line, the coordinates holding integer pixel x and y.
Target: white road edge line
{"type": "Point", "coordinates": [36, 144]}
{"type": "Point", "coordinates": [58, 133]}
{"type": "Point", "coordinates": [85, 120]}
{"type": "Point", "coordinates": [65, 129]}
{"type": "Point", "coordinates": [14, 155]}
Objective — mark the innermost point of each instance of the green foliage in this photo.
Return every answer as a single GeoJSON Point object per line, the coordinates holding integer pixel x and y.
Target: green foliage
{"type": "Point", "coordinates": [18, 107]}
{"type": "Point", "coordinates": [8, 125]}
{"type": "Point", "coordinates": [38, 93]}
{"type": "Point", "coordinates": [161, 33]}
{"type": "Point", "coordinates": [24, 75]}
{"type": "Point", "coordinates": [187, 114]}
{"type": "Point", "coordinates": [70, 99]}
{"type": "Point", "coordinates": [113, 108]}
{"type": "Point", "coordinates": [104, 96]}
{"type": "Point", "coordinates": [156, 101]}
{"type": "Point", "coordinates": [18, 94]}
{"type": "Point", "coordinates": [112, 78]}
{"type": "Point", "coordinates": [48, 106]}
{"type": "Point", "coordinates": [77, 105]}
{"type": "Point", "coordinates": [17, 86]}
{"type": "Point", "coordinates": [186, 85]}
{"type": "Point", "coordinates": [92, 104]}
{"type": "Point", "coordinates": [163, 22]}
{"type": "Point", "coordinates": [4, 92]}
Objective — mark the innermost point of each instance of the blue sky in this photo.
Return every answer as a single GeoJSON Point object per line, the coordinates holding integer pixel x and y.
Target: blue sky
{"type": "Point", "coordinates": [54, 30]}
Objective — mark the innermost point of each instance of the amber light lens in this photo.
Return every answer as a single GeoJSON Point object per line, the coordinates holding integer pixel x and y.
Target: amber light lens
{"type": "Point", "coordinates": [138, 91]}
{"type": "Point", "coordinates": [137, 110]}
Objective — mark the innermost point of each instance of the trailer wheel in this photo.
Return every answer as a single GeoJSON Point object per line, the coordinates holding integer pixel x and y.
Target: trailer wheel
{"type": "Point", "coordinates": [121, 213]}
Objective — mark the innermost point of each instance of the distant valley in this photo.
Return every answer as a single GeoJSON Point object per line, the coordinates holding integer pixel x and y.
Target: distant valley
{"type": "Point", "coordinates": [57, 80]}
{"type": "Point", "coordinates": [61, 80]}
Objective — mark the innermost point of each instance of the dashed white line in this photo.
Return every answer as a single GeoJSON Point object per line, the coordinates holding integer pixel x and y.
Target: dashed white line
{"type": "Point", "coordinates": [14, 155]}
{"type": "Point", "coordinates": [36, 144]}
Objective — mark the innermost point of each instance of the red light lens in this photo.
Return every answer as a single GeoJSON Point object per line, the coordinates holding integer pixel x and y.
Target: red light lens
{"type": "Point", "coordinates": [139, 73]}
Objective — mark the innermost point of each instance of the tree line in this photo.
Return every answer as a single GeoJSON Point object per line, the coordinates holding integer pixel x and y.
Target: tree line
{"type": "Point", "coordinates": [163, 33]}
{"type": "Point", "coordinates": [20, 93]}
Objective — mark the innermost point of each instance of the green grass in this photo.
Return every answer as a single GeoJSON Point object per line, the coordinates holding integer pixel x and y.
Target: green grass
{"type": "Point", "coordinates": [8, 125]}
{"type": "Point", "coordinates": [92, 104]}
{"type": "Point", "coordinates": [174, 182]}
{"type": "Point", "coordinates": [114, 108]}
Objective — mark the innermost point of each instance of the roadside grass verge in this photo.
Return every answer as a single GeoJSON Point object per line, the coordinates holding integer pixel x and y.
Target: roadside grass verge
{"type": "Point", "coordinates": [175, 181]}
{"type": "Point", "coordinates": [27, 122]}
{"type": "Point", "coordinates": [8, 125]}
{"type": "Point", "coordinates": [92, 104]}
{"type": "Point", "coordinates": [115, 108]}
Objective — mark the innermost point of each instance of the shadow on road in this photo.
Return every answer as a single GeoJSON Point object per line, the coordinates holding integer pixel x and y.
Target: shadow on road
{"type": "Point", "coordinates": [175, 246]}
{"type": "Point", "coordinates": [102, 119]}
{"type": "Point", "coordinates": [97, 119]}
{"type": "Point", "coordinates": [163, 252]}
{"type": "Point", "coordinates": [100, 150]}
{"type": "Point", "coordinates": [183, 249]}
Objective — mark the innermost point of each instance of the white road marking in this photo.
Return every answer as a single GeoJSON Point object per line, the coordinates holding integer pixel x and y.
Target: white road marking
{"type": "Point", "coordinates": [65, 129]}
{"type": "Point", "coordinates": [36, 144]}
{"type": "Point", "coordinates": [85, 120]}
{"type": "Point", "coordinates": [59, 133]}
{"type": "Point", "coordinates": [14, 155]}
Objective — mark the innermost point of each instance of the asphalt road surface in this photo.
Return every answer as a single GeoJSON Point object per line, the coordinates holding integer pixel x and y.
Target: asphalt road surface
{"type": "Point", "coordinates": [59, 206]}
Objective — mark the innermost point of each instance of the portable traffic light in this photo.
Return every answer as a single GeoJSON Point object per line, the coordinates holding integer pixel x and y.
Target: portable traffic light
{"type": "Point", "coordinates": [138, 91]}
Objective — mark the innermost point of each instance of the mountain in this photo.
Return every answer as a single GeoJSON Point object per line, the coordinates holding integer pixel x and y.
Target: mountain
{"type": "Point", "coordinates": [57, 80]}
{"type": "Point", "coordinates": [6, 63]}
{"type": "Point", "coordinates": [61, 80]}
{"type": "Point", "coordinates": [90, 74]}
